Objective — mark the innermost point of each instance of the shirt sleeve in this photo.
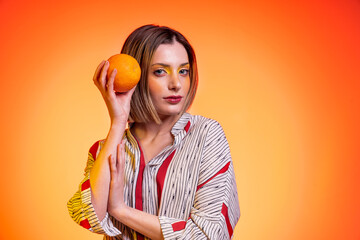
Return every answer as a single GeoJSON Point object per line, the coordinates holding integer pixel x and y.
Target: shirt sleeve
{"type": "Point", "coordinates": [80, 207]}
{"type": "Point", "coordinates": [215, 211]}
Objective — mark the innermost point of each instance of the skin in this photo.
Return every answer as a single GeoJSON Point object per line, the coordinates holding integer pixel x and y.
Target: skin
{"type": "Point", "coordinates": [167, 76]}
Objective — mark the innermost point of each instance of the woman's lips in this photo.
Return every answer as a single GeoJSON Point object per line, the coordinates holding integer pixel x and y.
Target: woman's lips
{"type": "Point", "coordinates": [173, 99]}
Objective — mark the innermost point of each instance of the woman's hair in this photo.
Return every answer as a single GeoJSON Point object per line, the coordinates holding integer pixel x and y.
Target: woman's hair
{"type": "Point", "coordinates": [142, 44]}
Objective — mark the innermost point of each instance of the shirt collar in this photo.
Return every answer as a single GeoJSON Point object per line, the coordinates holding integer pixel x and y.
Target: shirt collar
{"type": "Point", "coordinates": [181, 125]}
{"type": "Point", "coordinates": [179, 130]}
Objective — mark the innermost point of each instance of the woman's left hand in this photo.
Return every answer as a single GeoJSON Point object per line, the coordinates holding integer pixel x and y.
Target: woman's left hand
{"type": "Point", "coordinates": [138, 220]}
{"type": "Point", "coordinates": [116, 193]}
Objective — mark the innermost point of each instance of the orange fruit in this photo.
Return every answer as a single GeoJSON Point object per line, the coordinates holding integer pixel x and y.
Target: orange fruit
{"type": "Point", "coordinates": [128, 72]}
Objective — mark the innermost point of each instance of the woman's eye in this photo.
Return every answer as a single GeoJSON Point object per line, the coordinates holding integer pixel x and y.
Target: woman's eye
{"type": "Point", "coordinates": [159, 72]}
{"type": "Point", "coordinates": [184, 71]}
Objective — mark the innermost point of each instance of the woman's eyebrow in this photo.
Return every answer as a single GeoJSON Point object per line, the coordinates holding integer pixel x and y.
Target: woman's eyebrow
{"type": "Point", "coordinates": [167, 65]}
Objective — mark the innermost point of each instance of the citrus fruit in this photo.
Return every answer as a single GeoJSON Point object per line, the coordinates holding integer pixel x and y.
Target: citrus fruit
{"type": "Point", "coordinates": [128, 72]}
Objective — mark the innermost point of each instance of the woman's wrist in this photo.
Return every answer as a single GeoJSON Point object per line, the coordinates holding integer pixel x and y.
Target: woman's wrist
{"type": "Point", "coordinates": [142, 222]}
{"type": "Point", "coordinates": [118, 123]}
{"type": "Point", "coordinates": [121, 213]}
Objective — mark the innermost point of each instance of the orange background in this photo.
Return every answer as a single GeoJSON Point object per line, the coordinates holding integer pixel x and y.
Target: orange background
{"type": "Point", "coordinates": [282, 77]}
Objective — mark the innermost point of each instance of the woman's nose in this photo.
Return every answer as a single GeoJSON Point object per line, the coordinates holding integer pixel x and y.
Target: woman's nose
{"type": "Point", "coordinates": [174, 83]}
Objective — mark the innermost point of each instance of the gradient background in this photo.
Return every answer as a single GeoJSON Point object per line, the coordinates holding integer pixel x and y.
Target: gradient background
{"type": "Point", "coordinates": [283, 79]}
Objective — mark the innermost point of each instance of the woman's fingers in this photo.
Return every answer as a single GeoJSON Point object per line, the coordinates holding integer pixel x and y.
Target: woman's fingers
{"type": "Point", "coordinates": [121, 156]}
{"type": "Point", "coordinates": [110, 82]}
{"type": "Point", "coordinates": [118, 106]}
{"type": "Point", "coordinates": [126, 95]}
{"type": "Point", "coordinates": [97, 72]}
{"type": "Point", "coordinates": [117, 164]}
{"type": "Point", "coordinates": [102, 78]}
{"type": "Point", "coordinates": [112, 163]}
{"type": "Point", "coordinates": [131, 91]}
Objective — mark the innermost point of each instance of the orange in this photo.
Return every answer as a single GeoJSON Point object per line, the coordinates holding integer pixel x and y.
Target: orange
{"type": "Point", "coordinates": [128, 72]}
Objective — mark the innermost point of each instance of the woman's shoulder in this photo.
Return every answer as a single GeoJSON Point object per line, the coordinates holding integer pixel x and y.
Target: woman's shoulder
{"type": "Point", "coordinates": [199, 121]}
{"type": "Point", "coordinates": [205, 127]}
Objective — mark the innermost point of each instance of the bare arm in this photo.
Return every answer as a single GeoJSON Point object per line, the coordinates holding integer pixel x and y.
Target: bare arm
{"type": "Point", "coordinates": [118, 105]}
{"type": "Point", "coordinates": [142, 222]}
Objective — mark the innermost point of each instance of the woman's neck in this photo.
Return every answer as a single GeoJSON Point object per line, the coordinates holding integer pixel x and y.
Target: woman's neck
{"type": "Point", "coordinates": [152, 130]}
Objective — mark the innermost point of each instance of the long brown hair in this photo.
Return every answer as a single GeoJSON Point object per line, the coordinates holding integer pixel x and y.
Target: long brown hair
{"type": "Point", "coordinates": [142, 44]}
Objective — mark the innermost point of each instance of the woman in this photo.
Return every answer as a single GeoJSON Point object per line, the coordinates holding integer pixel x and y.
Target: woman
{"type": "Point", "coordinates": [169, 175]}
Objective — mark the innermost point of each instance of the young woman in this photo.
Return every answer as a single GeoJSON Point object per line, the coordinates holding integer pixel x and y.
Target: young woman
{"type": "Point", "coordinates": [170, 174]}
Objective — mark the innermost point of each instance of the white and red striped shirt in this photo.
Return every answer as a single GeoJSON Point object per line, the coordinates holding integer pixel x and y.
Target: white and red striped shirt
{"type": "Point", "coordinates": [190, 185]}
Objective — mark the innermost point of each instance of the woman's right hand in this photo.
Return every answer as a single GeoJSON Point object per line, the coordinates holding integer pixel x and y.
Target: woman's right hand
{"type": "Point", "coordinates": [118, 104]}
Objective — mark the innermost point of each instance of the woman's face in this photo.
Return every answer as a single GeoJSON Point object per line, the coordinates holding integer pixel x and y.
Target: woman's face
{"type": "Point", "coordinates": [168, 79]}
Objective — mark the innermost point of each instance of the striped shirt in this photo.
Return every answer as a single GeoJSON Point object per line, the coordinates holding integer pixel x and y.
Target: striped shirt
{"type": "Point", "coordinates": [190, 185]}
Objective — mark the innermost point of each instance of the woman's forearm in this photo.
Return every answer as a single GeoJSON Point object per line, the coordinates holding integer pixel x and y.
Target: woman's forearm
{"type": "Point", "coordinates": [142, 222]}
{"type": "Point", "coordinates": [100, 172]}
